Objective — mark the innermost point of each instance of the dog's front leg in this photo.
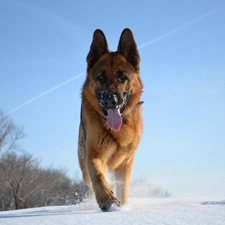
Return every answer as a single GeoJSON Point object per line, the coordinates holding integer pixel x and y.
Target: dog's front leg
{"type": "Point", "coordinates": [104, 195]}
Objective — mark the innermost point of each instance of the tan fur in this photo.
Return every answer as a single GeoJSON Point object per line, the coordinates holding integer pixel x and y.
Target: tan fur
{"type": "Point", "coordinates": [102, 149]}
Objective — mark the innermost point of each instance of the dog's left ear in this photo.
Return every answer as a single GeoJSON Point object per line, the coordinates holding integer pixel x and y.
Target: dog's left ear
{"type": "Point", "coordinates": [128, 48]}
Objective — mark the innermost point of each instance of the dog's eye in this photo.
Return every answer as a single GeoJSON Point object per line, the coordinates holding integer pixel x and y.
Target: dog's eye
{"type": "Point", "coordinates": [122, 78]}
{"type": "Point", "coordinates": [101, 78]}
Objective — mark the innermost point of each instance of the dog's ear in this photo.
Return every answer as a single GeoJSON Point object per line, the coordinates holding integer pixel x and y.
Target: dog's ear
{"type": "Point", "coordinates": [128, 48]}
{"type": "Point", "coordinates": [98, 47]}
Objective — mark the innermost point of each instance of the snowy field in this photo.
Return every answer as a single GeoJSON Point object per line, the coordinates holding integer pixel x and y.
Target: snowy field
{"type": "Point", "coordinates": [163, 211]}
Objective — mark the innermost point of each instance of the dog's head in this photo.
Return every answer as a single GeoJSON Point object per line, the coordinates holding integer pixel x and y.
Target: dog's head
{"type": "Point", "coordinates": [113, 77]}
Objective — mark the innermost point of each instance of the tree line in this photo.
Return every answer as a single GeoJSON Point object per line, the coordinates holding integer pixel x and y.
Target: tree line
{"type": "Point", "coordinates": [24, 183]}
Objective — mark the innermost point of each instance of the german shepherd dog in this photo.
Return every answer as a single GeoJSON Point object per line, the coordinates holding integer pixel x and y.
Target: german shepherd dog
{"type": "Point", "coordinates": [111, 119]}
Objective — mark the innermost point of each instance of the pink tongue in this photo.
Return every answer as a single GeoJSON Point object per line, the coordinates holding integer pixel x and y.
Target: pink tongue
{"type": "Point", "coordinates": [114, 119]}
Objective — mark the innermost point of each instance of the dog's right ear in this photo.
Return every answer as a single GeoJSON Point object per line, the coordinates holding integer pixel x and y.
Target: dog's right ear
{"type": "Point", "coordinates": [98, 47]}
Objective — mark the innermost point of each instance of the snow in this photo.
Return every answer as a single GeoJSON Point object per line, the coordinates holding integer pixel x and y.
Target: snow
{"type": "Point", "coordinates": [163, 211]}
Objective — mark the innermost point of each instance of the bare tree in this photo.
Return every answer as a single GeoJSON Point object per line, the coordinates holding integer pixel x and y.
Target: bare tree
{"type": "Point", "coordinates": [23, 184]}
{"type": "Point", "coordinates": [16, 177]}
{"type": "Point", "coordinates": [10, 133]}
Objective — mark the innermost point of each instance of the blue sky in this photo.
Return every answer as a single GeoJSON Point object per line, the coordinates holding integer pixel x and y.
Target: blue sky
{"type": "Point", "coordinates": [181, 43]}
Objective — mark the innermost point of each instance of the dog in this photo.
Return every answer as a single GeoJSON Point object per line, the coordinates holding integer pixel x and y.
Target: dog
{"type": "Point", "coordinates": [111, 117]}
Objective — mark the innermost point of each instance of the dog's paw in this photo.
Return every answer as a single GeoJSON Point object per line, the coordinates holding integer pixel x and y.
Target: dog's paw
{"type": "Point", "coordinates": [106, 202]}
{"type": "Point", "coordinates": [107, 205]}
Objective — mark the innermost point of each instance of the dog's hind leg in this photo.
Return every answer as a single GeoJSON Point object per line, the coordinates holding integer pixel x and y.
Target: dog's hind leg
{"type": "Point", "coordinates": [122, 175]}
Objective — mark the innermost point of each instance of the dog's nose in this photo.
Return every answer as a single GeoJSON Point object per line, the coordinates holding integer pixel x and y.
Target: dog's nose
{"type": "Point", "coordinates": [109, 100]}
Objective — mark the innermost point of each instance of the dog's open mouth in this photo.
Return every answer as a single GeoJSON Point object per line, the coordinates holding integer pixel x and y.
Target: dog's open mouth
{"type": "Point", "coordinates": [114, 117]}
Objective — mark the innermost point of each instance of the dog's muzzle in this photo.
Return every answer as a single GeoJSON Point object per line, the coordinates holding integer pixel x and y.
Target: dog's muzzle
{"type": "Point", "coordinates": [112, 106]}
{"type": "Point", "coordinates": [108, 100]}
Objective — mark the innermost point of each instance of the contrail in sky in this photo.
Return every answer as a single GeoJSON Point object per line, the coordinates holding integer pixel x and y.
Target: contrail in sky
{"type": "Point", "coordinates": [171, 32]}
{"type": "Point", "coordinates": [46, 92]}
{"type": "Point", "coordinates": [181, 27]}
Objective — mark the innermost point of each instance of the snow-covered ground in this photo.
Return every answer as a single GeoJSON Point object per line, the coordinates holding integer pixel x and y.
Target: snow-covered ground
{"type": "Point", "coordinates": [163, 211]}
